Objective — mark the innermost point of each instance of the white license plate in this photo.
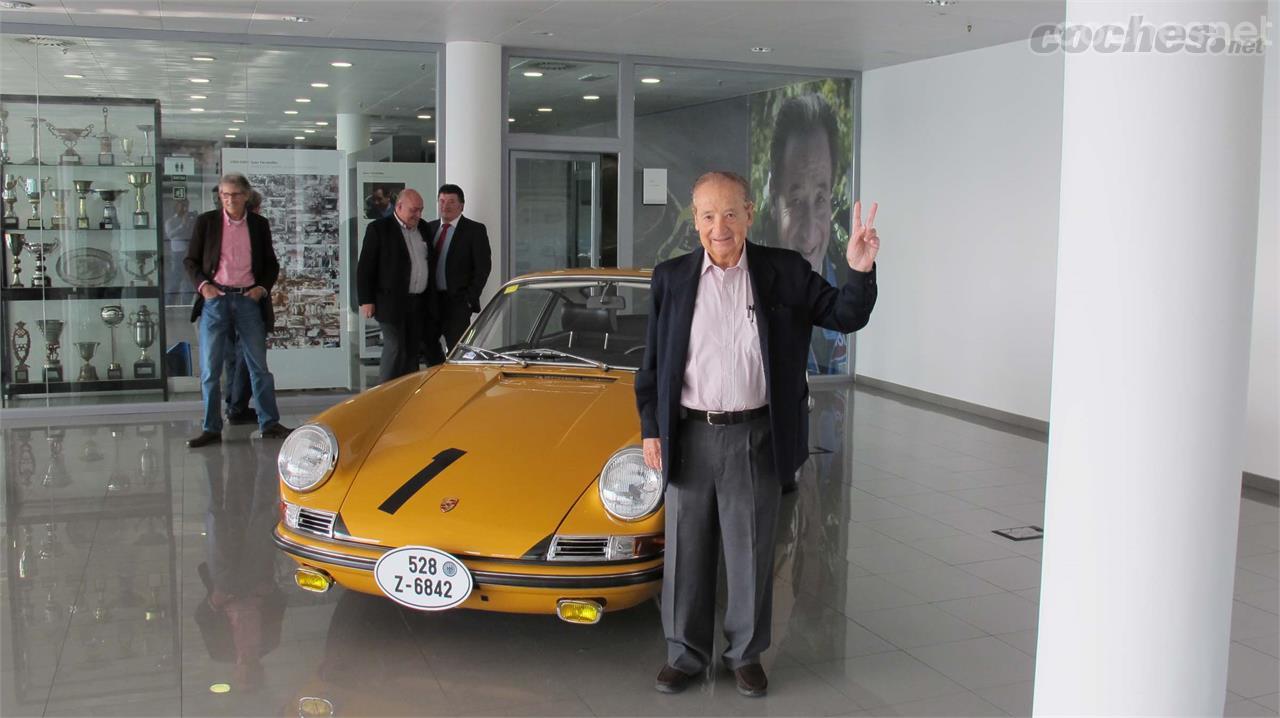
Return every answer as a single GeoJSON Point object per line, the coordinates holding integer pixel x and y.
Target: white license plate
{"type": "Point", "coordinates": [424, 578]}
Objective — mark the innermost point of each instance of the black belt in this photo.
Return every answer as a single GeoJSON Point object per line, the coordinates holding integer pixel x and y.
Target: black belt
{"type": "Point", "coordinates": [232, 290]}
{"type": "Point", "coordinates": [724, 418]}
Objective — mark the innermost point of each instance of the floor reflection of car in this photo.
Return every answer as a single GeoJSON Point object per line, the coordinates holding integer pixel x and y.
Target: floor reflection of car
{"type": "Point", "coordinates": [508, 479]}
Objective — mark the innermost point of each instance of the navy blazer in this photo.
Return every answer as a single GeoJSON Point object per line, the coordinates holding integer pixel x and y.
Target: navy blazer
{"type": "Point", "coordinates": [468, 263]}
{"type": "Point", "coordinates": [382, 273]}
{"type": "Point", "coordinates": [205, 252]}
{"type": "Point", "coordinates": [790, 299]}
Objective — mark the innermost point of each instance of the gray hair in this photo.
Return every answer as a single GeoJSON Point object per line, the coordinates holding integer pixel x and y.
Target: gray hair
{"type": "Point", "coordinates": [254, 203]}
{"type": "Point", "coordinates": [237, 179]}
{"type": "Point", "coordinates": [725, 176]}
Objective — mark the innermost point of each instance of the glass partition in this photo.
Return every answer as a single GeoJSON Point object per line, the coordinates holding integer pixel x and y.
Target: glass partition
{"type": "Point", "coordinates": [562, 97]}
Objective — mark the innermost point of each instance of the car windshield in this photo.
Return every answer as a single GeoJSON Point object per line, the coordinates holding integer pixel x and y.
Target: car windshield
{"type": "Point", "coordinates": [596, 322]}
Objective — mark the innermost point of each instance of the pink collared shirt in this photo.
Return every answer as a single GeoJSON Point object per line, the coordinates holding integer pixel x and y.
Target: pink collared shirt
{"type": "Point", "coordinates": [235, 265]}
{"type": "Point", "coordinates": [724, 370]}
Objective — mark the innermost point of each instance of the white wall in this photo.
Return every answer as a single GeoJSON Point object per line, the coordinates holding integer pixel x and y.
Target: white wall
{"type": "Point", "coordinates": [1262, 448]}
{"type": "Point", "coordinates": [963, 153]}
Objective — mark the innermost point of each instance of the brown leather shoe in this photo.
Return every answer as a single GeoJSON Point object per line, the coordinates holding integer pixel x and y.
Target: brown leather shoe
{"type": "Point", "coordinates": [751, 681]}
{"type": "Point", "coordinates": [276, 431]}
{"type": "Point", "coordinates": [671, 680]}
{"type": "Point", "coordinates": [204, 439]}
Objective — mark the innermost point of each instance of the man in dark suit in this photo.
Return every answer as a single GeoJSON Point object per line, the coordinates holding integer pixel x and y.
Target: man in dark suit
{"type": "Point", "coordinates": [233, 266]}
{"type": "Point", "coordinates": [722, 401]}
{"type": "Point", "coordinates": [461, 262]}
{"type": "Point", "coordinates": [392, 280]}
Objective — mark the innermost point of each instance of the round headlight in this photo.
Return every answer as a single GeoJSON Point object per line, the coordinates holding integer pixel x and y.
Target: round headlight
{"type": "Point", "coordinates": [629, 489]}
{"type": "Point", "coordinates": [308, 456]}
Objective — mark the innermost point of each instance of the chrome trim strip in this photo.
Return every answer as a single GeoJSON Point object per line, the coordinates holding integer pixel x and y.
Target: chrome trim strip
{"type": "Point", "coordinates": [488, 578]}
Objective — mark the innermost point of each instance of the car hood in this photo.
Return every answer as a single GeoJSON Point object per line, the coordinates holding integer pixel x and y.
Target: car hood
{"type": "Point", "coordinates": [487, 461]}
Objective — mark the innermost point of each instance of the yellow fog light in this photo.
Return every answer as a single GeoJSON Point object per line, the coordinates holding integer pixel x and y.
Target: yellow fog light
{"type": "Point", "coordinates": [309, 579]}
{"type": "Point", "coordinates": [579, 610]}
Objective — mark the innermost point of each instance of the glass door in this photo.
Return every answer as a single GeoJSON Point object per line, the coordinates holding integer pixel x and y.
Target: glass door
{"type": "Point", "coordinates": [563, 207]}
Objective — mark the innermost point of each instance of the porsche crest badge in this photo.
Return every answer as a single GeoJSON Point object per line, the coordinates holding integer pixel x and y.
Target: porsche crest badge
{"type": "Point", "coordinates": [448, 504]}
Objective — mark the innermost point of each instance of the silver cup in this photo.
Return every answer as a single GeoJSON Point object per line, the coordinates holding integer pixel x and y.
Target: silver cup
{"type": "Point", "coordinates": [140, 258]}
{"type": "Point", "coordinates": [83, 188]}
{"type": "Point", "coordinates": [110, 219]}
{"type": "Point", "coordinates": [139, 181]}
{"type": "Point", "coordinates": [112, 315]}
{"type": "Point", "coordinates": [52, 331]}
{"type": "Point", "coordinates": [88, 372]}
{"type": "Point", "coordinates": [126, 146]}
{"type": "Point", "coordinates": [15, 242]}
{"type": "Point", "coordinates": [70, 136]}
{"type": "Point", "coordinates": [34, 188]}
{"type": "Point", "coordinates": [147, 158]}
{"type": "Point", "coordinates": [11, 184]}
{"type": "Point", "coordinates": [144, 335]}
{"type": "Point", "coordinates": [60, 199]}
{"type": "Point", "coordinates": [42, 250]}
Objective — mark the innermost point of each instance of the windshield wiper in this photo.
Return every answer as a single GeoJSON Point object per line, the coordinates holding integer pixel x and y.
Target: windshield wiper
{"type": "Point", "coordinates": [493, 354]}
{"type": "Point", "coordinates": [543, 352]}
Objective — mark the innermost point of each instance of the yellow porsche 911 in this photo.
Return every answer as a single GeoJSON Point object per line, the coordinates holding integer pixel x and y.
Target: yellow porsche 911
{"type": "Point", "coordinates": [508, 479]}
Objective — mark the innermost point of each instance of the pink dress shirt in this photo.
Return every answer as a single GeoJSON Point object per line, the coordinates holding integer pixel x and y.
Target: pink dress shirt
{"type": "Point", "coordinates": [235, 266]}
{"type": "Point", "coordinates": [724, 370]}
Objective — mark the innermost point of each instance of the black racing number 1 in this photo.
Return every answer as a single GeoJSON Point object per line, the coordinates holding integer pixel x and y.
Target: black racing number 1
{"type": "Point", "coordinates": [420, 479]}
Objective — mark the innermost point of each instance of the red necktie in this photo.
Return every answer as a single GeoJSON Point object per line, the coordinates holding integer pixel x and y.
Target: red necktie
{"type": "Point", "coordinates": [444, 232]}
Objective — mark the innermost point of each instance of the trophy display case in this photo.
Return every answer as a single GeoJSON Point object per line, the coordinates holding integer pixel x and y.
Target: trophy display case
{"type": "Point", "coordinates": [82, 302]}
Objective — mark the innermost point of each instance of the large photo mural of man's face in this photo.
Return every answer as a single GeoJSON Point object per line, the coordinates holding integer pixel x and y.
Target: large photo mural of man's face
{"type": "Point", "coordinates": [801, 175]}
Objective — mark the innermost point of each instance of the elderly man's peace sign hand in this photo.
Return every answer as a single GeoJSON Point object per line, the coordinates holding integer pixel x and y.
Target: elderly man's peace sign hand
{"type": "Point", "coordinates": [863, 242]}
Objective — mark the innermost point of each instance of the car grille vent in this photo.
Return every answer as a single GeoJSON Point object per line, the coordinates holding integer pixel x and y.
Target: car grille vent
{"type": "Point", "coordinates": [316, 522]}
{"type": "Point", "coordinates": [578, 548]}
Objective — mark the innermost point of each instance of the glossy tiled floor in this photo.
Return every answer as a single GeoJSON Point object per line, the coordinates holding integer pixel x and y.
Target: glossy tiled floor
{"type": "Point", "coordinates": [893, 597]}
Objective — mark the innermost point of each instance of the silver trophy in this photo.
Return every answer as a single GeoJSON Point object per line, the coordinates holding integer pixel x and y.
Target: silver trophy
{"type": "Point", "coordinates": [60, 199]}
{"type": "Point", "coordinates": [42, 250]}
{"type": "Point", "coordinates": [88, 372]}
{"type": "Point", "coordinates": [126, 146]}
{"type": "Point", "coordinates": [70, 136]}
{"type": "Point", "coordinates": [11, 185]}
{"type": "Point", "coordinates": [139, 181]}
{"type": "Point", "coordinates": [83, 188]}
{"type": "Point", "coordinates": [20, 340]}
{"type": "Point", "coordinates": [35, 140]}
{"type": "Point", "coordinates": [34, 188]}
{"type": "Point", "coordinates": [147, 157]}
{"type": "Point", "coordinates": [52, 331]}
{"type": "Point", "coordinates": [110, 220]}
{"type": "Point", "coordinates": [140, 258]}
{"type": "Point", "coordinates": [4, 137]}
{"type": "Point", "coordinates": [15, 241]}
{"type": "Point", "coordinates": [112, 315]}
{"type": "Point", "coordinates": [105, 156]}
{"type": "Point", "coordinates": [144, 335]}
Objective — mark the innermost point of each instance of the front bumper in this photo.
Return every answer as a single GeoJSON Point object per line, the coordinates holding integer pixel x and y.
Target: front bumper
{"type": "Point", "coordinates": [506, 587]}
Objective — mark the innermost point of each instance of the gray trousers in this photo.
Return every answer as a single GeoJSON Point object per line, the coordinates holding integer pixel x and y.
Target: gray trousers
{"type": "Point", "coordinates": [723, 491]}
{"type": "Point", "coordinates": [402, 340]}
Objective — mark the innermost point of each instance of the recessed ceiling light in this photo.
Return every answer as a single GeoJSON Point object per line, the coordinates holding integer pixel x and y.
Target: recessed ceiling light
{"type": "Point", "coordinates": [320, 85]}
{"type": "Point", "coordinates": [230, 137]}
{"type": "Point", "coordinates": [291, 112]}
{"type": "Point", "coordinates": [650, 80]}
{"type": "Point", "coordinates": [299, 137]}
{"type": "Point", "coordinates": [762, 48]}
{"type": "Point", "coordinates": [544, 109]}
{"type": "Point", "coordinates": [238, 122]}
{"type": "Point", "coordinates": [322, 123]}
{"type": "Point", "coordinates": [431, 142]}
{"type": "Point", "coordinates": [199, 80]}
{"type": "Point", "coordinates": [199, 97]}
{"type": "Point", "coordinates": [533, 73]}
{"type": "Point", "coordinates": [15, 5]}
{"type": "Point", "coordinates": [310, 132]}
{"type": "Point", "coordinates": [340, 63]}
{"type": "Point", "coordinates": [302, 99]}
{"type": "Point", "coordinates": [203, 58]}
{"type": "Point", "coordinates": [941, 3]}
{"type": "Point", "coordinates": [296, 18]}
{"type": "Point", "coordinates": [424, 117]}
{"type": "Point", "coordinates": [543, 33]}
{"type": "Point", "coordinates": [197, 109]}
{"type": "Point", "coordinates": [74, 77]}
{"type": "Point", "coordinates": [511, 119]}
{"type": "Point", "coordinates": [591, 98]}
{"type": "Point", "coordinates": [233, 129]}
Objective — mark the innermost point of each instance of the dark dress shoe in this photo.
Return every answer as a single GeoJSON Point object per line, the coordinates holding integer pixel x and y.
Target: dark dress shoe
{"type": "Point", "coordinates": [671, 680]}
{"type": "Point", "coordinates": [276, 431]}
{"type": "Point", "coordinates": [204, 439]}
{"type": "Point", "coordinates": [751, 681]}
{"type": "Point", "coordinates": [248, 416]}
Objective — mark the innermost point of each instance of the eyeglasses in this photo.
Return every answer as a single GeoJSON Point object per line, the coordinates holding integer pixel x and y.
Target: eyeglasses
{"type": "Point", "coordinates": [232, 194]}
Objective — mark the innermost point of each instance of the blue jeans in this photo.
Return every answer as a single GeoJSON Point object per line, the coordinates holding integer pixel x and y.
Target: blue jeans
{"type": "Point", "coordinates": [237, 378]}
{"type": "Point", "coordinates": [219, 318]}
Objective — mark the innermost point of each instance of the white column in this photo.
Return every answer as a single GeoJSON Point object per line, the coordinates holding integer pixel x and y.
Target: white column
{"type": "Point", "coordinates": [1155, 270]}
{"type": "Point", "coordinates": [353, 131]}
{"type": "Point", "coordinates": [472, 139]}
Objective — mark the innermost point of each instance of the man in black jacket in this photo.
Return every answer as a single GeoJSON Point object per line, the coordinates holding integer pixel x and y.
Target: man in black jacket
{"type": "Point", "coordinates": [233, 266]}
{"type": "Point", "coordinates": [460, 257]}
{"type": "Point", "coordinates": [722, 402]}
{"type": "Point", "coordinates": [392, 280]}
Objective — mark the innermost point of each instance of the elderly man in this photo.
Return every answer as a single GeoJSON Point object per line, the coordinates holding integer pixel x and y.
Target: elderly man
{"type": "Point", "coordinates": [233, 266]}
{"type": "Point", "coordinates": [721, 396]}
{"type": "Point", "coordinates": [460, 261]}
{"type": "Point", "coordinates": [392, 278]}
